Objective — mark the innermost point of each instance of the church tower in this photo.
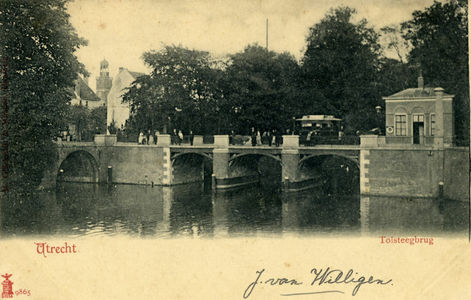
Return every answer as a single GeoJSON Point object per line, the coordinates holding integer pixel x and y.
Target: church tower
{"type": "Point", "coordinates": [104, 82]}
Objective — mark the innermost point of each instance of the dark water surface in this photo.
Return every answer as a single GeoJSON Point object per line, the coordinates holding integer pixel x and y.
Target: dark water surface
{"type": "Point", "coordinates": [79, 210]}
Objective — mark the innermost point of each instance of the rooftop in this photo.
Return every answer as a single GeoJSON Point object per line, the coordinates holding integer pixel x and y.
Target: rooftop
{"type": "Point", "coordinates": [84, 92]}
{"type": "Point", "coordinates": [426, 92]}
{"type": "Point", "coordinates": [135, 74]}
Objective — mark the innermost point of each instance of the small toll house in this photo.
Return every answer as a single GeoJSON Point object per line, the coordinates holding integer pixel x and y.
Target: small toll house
{"type": "Point", "coordinates": [422, 115]}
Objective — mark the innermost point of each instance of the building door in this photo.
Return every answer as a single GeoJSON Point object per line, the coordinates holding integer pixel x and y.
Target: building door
{"type": "Point", "coordinates": [418, 129]}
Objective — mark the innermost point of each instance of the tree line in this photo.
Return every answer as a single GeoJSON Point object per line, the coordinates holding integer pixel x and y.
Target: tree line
{"type": "Point", "coordinates": [344, 72]}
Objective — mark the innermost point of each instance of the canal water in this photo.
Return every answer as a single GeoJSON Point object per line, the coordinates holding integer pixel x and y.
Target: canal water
{"type": "Point", "coordinates": [194, 210]}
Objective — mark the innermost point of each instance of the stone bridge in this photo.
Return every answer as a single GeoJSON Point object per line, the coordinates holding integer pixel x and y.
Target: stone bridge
{"type": "Point", "coordinates": [227, 166]}
{"type": "Point", "coordinates": [381, 169]}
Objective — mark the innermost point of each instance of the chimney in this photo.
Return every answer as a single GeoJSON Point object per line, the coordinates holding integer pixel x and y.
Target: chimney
{"type": "Point", "coordinates": [421, 81]}
{"type": "Point", "coordinates": [121, 69]}
{"type": "Point", "coordinates": [439, 116]}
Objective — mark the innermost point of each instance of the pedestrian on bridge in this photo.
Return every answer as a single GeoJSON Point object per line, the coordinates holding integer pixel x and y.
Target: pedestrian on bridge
{"type": "Point", "coordinates": [174, 137]}
{"type": "Point", "coordinates": [191, 136]}
{"type": "Point", "coordinates": [277, 138]}
{"type": "Point", "coordinates": [253, 135]}
{"type": "Point", "coordinates": [151, 139]}
{"type": "Point", "coordinates": [140, 140]}
{"type": "Point", "coordinates": [269, 138]}
{"type": "Point", "coordinates": [259, 138]}
{"type": "Point", "coordinates": [180, 137]}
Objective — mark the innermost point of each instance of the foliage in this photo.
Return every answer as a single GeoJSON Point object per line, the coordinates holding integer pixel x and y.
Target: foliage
{"type": "Point", "coordinates": [112, 128]}
{"type": "Point", "coordinates": [98, 120]}
{"type": "Point", "coordinates": [439, 36]}
{"type": "Point", "coordinates": [261, 89]}
{"type": "Point", "coordinates": [181, 92]}
{"type": "Point", "coordinates": [394, 76]}
{"type": "Point", "coordinates": [392, 40]}
{"type": "Point", "coordinates": [79, 116]}
{"type": "Point", "coordinates": [87, 122]}
{"type": "Point", "coordinates": [39, 43]}
{"type": "Point", "coordinates": [341, 61]}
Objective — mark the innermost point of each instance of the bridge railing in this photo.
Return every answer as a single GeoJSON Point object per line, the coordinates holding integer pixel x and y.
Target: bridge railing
{"type": "Point", "coordinates": [238, 140]}
{"type": "Point", "coordinates": [329, 140]}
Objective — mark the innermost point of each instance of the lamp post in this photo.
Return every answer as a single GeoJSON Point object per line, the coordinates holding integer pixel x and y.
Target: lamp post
{"type": "Point", "coordinates": [379, 119]}
{"type": "Point", "coordinates": [167, 130]}
{"type": "Point", "coordinates": [294, 125]}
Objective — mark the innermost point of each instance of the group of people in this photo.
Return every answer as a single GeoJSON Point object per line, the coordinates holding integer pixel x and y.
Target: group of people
{"type": "Point", "coordinates": [148, 138]}
{"type": "Point", "coordinates": [176, 138]}
{"type": "Point", "coordinates": [270, 137]}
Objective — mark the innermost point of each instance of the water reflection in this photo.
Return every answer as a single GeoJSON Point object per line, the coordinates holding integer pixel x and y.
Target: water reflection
{"type": "Point", "coordinates": [79, 210]}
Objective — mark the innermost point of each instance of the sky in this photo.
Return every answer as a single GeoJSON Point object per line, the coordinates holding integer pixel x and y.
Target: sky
{"type": "Point", "coordinates": [121, 30]}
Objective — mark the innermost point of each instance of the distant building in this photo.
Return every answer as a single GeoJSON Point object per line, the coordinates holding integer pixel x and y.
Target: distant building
{"type": "Point", "coordinates": [104, 82]}
{"type": "Point", "coordinates": [84, 95]}
{"type": "Point", "coordinates": [422, 115]}
{"type": "Point", "coordinates": [118, 111]}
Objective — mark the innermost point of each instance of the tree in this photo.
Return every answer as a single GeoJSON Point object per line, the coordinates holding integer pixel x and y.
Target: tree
{"type": "Point", "coordinates": [392, 40]}
{"type": "Point", "coordinates": [261, 88]}
{"type": "Point", "coordinates": [79, 116]}
{"type": "Point", "coordinates": [181, 92]}
{"type": "Point", "coordinates": [341, 61]}
{"type": "Point", "coordinates": [98, 120]}
{"type": "Point", "coordinates": [38, 45]}
{"type": "Point", "coordinates": [439, 37]}
{"type": "Point", "coordinates": [394, 76]}
{"type": "Point", "coordinates": [87, 122]}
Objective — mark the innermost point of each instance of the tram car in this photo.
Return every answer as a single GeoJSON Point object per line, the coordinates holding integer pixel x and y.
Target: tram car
{"type": "Point", "coordinates": [319, 129]}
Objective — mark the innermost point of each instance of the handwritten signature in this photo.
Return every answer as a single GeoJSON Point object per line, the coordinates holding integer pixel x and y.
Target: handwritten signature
{"type": "Point", "coordinates": [322, 277]}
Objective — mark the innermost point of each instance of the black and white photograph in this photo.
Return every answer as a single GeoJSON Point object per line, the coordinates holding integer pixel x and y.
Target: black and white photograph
{"type": "Point", "coordinates": [252, 149]}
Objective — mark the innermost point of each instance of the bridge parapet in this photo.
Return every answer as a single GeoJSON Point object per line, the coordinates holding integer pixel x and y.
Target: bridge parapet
{"type": "Point", "coordinates": [198, 140]}
{"type": "Point", "coordinates": [164, 140]}
{"type": "Point", "coordinates": [369, 141]}
{"type": "Point", "coordinates": [221, 141]}
{"type": "Point", "coordinates": [106, 139]}
{"type": "Point", "coordinates": [291, 142]}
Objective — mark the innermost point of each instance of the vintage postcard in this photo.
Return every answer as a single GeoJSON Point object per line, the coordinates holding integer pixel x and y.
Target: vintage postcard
{"type": "Point", "coordinates": [159, 149]}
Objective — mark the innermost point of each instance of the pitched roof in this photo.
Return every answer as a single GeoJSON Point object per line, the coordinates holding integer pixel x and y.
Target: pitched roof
{"type": "Point", "coordinates": [135, 74]}
{"type": "Point", "coordinates": [426, 92]}
{"type": "Point", "coordinates": [84, 91]}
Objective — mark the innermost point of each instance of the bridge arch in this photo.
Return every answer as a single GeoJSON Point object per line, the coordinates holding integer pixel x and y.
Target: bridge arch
{"type": "Point", "coordinates": [237, 156]}
{"type": "Point", "coordinates": [79, 166]}
{"type": "Point", "coordinates": [339, 173]}
{"type": "Point", "coordinates": [264, 168]}
{"type": "Point", "coordinates": [177, 155]}
{"type": "Point", "coordinates": [188, 167]}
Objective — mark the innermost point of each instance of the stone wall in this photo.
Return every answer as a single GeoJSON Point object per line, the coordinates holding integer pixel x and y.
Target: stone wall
{"type": "Point", "coordinates": [395, 172]}
{"type": "Point", "coordinates": [456, 178]}
{"type": "Point", "coordinates": [415, 172]}
{"type": "Point", "coordinates": [133, 165]}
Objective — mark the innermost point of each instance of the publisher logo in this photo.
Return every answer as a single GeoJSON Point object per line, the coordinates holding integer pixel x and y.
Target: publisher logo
{"type": "Point", "coordinates": [7, 286]}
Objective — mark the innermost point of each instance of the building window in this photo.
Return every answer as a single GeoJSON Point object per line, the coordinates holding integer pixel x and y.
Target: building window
{"type": "Point", "coordinates": [418, 118]}
{"type": "Point", "coordinates": [401, 125]}
{"type": "Point", "coordinates": [432, 124]}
